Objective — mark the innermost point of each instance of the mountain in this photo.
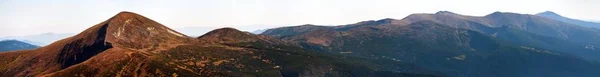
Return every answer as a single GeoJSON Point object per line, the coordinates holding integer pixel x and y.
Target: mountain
{"type": "Point", "coordinates": [124, 33]}
{"type": "Point", "coordinates": [524, 29]}
{"type": "Point", "coordinates": [39, 39]}
{"type": "Point", "coordinates": [528, 23]}
{"type": "Point", "coordinates": [199, 31]}
{"type": "Point", "coordinates": [446, 42]}
{"type": "Point", "coordinates": [12, 45]}
{"type": "Point", "coordinates": [552, 15]}
{"type": "Point", "coordinates": [129, 44]}
{"type": "Point", "coordinates": [233, 35]}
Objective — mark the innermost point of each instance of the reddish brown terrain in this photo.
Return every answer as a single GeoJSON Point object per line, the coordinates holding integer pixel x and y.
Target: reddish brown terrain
{"type": "Point", "coordinates": [129, 44]}
{"type": "Point", "coordinates": [116, 39]}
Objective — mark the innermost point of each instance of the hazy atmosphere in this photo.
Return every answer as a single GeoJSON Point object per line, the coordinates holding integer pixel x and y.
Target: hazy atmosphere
{"type": "Point", "coordinates": [28, 17]}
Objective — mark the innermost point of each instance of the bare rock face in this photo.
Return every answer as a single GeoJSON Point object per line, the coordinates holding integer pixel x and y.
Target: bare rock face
{"type": "Point", "coordinates": [133, 31]}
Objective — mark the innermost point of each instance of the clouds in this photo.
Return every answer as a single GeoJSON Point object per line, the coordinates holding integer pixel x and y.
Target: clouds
{"type": "Point", "coordinates": [25, 17]}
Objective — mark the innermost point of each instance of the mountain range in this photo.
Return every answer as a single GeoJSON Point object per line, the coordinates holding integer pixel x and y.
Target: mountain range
{"type": "Point", "coordinates": [496, 45]}
{"type": "Point", "coordinates": [442, 44]}
{"type": "Point", "coordinates": [129, 44]}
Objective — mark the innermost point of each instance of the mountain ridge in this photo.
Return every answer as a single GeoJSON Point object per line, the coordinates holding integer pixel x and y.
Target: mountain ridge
{"type": "Point", "coordinates": [553, 15]}
{"type": "Point", "coordinates": [466, 41]}
{"type": "Point", "coordinates": [525, 29]}
{"type": "Point", "coordinates": [129, 44]}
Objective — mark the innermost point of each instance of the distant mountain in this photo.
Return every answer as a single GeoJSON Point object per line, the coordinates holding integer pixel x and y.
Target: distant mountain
{"type": "Point", "coordinates": [455, 45]}
{"type": "Point", "coordinates": [129, 44]}
{"type": "Point", "coordinates": [552, 15]}
{"type": "Point", "coordinates": [12, 45]}
{"type": "Point", "coordinates": [39, 39]}
{"type": "Point", "coordinates": [524, 29]}
{"type": "Point", "coordinates": [528, 23]}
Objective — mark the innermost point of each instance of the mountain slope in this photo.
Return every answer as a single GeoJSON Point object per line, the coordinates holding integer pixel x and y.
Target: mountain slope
{"type": "Point", "coordinates": [129, 44]}
{"type": "Point", "coordinates": [12, 45]}
{"type": "Point", "coordinates": [126, 31]}
{"type": "Point", "coordinates": [439, 47]}
{"type": "Point", "coordinates": [552, 15]}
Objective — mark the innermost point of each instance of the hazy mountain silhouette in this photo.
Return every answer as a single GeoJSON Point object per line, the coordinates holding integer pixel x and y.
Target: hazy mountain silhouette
{"type": "Point", "coordinates": [39, 39]}
{"type": "Point", "coordinates": [13, 45]}
{"type": "Point", "coordinates": [552, 15]}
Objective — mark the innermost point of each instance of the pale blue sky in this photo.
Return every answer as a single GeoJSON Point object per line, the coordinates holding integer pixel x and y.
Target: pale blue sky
{"type": "Point", "coordinates": [27, 17]}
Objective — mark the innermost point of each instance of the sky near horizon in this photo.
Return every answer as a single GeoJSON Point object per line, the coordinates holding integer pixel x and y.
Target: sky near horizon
{"type": "Point", "coordinates": [30, 17]}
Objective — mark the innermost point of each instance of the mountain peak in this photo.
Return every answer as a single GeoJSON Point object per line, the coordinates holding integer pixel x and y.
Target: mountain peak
{"type": "Point", "coordinates": [232, 35]}
{"type": "Point", "coordinates": [226, 30]}
{"type": "Point", "coordinates": [445, 12]}
{"type": "Point", "coordinates": [227, 35]}
{"type": "Point", "coordinates": [125, 30]}
{"type": "Point", "coordinates": [495, 13]}
{"type": "Point", "coordinates": [123, 12]}
{"type": "Point", "coordinates": [381, 21]}
{"type": "Point", "coordinates": [387, 19]}
{"type": "Point", "coordinates": [126, 15]}
{"type": "Point", "coordinates": [548, 13]}
{"type": "Point", "coordinates": [131, 30]}
{"type": "Point", "coordinates": [502, 14]}
{"type": "Point", "coordinates": [308, 25]}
